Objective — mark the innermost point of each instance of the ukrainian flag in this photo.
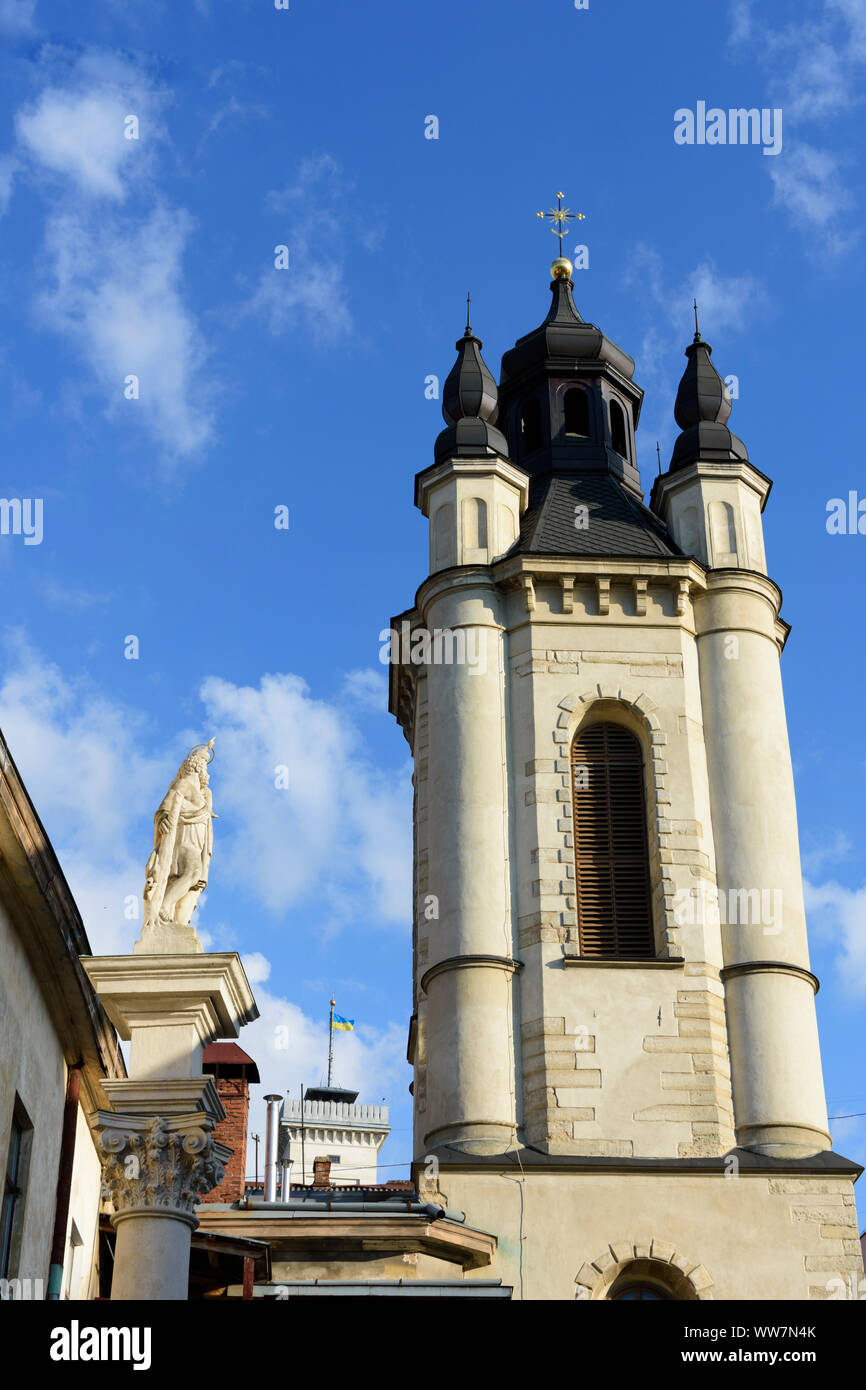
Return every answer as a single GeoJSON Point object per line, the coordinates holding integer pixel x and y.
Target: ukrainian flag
{"type": "Point", "coordinates": [345, 1025]}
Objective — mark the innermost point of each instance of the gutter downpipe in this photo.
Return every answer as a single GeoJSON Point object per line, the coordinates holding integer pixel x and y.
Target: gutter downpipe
{"type": "Point", "coordinates": [64, 1182]}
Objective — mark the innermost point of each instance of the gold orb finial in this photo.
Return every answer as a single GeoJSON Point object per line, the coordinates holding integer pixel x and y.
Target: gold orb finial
{"type": "Point", "coordinates": [561, 268]}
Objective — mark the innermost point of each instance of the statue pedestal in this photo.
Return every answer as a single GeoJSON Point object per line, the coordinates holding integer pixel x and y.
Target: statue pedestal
{"type": "Point", "coordinates": [157, 1143]}
{"type": "Point", "coordinates": [167, 939]}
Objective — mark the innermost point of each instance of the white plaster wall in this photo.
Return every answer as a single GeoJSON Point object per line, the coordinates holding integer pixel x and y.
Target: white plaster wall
{"type": "Point", "coordinates": [78, 1265]}
{"type": "Point", "coordinates": [31, 1064]}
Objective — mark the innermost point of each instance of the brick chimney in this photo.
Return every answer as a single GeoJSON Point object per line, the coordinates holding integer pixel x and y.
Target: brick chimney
{"type": "Point", "coordinates": [232, 1071]}
{"type": "Point", "coordinates": [321, 1172]}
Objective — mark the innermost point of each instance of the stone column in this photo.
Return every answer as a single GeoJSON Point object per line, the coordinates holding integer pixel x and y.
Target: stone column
{"type": "Point", "coordinates": [160, 1156]}
{"type": "Point", "coordinates": [468, 984]}
{"type": "Point", "coordinates": [155, 1169]}
{"type": "Point", "coordinates": [778, 1089]}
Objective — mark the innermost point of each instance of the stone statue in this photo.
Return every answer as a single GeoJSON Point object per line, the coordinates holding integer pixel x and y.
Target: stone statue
{"type": "Point", "coordinates": [177, 869]}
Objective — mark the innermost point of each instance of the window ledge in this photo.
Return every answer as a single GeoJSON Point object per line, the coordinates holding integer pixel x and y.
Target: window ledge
{"type": "Point", "coordinates": [626, 962]}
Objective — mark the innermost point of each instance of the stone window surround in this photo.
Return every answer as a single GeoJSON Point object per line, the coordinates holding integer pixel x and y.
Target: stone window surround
{"type": "Point", "coordinates": [682, 1277]}
{"type": "Point", "coordinates": [573, 711]}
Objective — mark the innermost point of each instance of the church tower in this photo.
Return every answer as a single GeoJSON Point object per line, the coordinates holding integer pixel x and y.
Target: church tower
{"type": "Point", "coordinates": [616, 1059]}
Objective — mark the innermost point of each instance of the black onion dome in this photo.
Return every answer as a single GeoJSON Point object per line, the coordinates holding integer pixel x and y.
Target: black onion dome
{"type": "Point", "coordinates": [702, 408]}
{"type": "Point", "coordinates": [470, 388]}
{"type": "Point", "coordinates": [470, 404]}
{"type": "Point", "coordinates": [702, 394]}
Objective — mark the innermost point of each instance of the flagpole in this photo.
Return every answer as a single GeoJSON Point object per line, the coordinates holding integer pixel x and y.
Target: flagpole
{"type": "Point", "coordinates": [331, 1043]}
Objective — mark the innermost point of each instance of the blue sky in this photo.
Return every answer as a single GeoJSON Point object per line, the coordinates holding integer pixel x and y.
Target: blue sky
{"type": "Point", "coordinates": [305, 388]}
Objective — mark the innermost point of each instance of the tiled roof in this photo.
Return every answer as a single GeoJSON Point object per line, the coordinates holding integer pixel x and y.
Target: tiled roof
{"type": "Point", "coordinates": [618, 524]}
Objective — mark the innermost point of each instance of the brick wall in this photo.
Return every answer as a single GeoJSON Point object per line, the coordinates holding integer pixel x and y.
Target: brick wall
{"type": "Point", "coordinates": [234, 1092]}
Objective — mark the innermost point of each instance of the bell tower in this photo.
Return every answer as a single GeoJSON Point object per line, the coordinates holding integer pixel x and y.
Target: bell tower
{"type": "Point", "coordinates": [615, 1050]}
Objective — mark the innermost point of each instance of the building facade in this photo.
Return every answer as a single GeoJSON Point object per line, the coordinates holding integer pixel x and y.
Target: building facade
{"type": "Point", "coordinates": [616, 1059]}
{"type": "Point", "coordinates": [56, 1049]}
{"type": "Point", "coordinates": [349, 1136]}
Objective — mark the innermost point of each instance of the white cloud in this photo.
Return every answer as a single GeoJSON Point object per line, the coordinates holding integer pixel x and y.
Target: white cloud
{"type": "Point", "coordinates": [311, 293]}
{"type": "Point", "coordinates": [115, 248]}
{"type": "Point", "coordinates": [854, 14]}
{"type": "Point", "coordinates": [74, 130]}
{"type": "Point", "coordinates": [8, 170]}
{"type": "Point", "coordinates": [231, 111]}
{"type": "Point", "coordinates": [340, 827]}
{"type": "Point", "coordinates": [117, 292]}
{"type": "Point", "coordinates": [257, 967]}
{"type": "Point", "coordinates": [367, 689]}
{"type": "Point", "coordinates": [814, 69]}
{"type": "Point", "coordinates": [72, 598]}
{"type": "Point", "coordinates": [17, 16]}
{"type": "Point", "coordinates": [78, 754]}
{"type": "Point", "coordinates": [726, 302]}
{"type": "Point", "coordinates": [841, 915]}
{"type": "Point", "coordinates": [80, 136]}
{"type": "Point", "coordinates": [838, 846]}
{"type": "Point", "coordinates": [741, 21]}
{"type": "Point", "coordinates": [810, 185]}
{"type": "Point", "coordinates": [291, 1049]}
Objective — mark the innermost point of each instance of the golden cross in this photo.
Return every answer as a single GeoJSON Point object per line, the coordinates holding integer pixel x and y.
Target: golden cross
{"type": "Point", "coordinates": [561, 217]}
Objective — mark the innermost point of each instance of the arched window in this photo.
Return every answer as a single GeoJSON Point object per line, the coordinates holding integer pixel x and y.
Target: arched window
{"type": "Point", "coordinates": [614, 910]}
{"type": "Point", "coordinates": [575, 406]}
{"type": "Point", "coordinates": [530, 427]}
{"type": "Point", "coordinates": [618, 435]}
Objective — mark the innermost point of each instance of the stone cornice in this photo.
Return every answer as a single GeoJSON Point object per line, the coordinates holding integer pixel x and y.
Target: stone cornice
{"type": "Point", "coordinates": [449, 580]}
{"type": "Point", "coordinates": [210, 990]}
{"type": "Point", "coordinates": [176, 1096]}
{"type": "Point", "coordinates": [827, 1163]}
{"type": "Point", "coordinates": [437, 473]}
{"type": "Point", "coordinates": [752, 582]}
{"type": "Point", "coordinates": [769, 967]}
{"type": "Point", "coordinates": [505, 963]}
{"type": "Point", "coordinates": [588, 566]}
{"type": "Point", "coordinates": [740, 469]}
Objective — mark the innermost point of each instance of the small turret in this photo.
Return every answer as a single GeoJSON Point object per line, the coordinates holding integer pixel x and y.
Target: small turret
{"type": "Point", "coordinates": [469, 404]}
{"type": "Point", "coordinates": [702, 408]}
{"type": "Point", "coordinates": [472, 494]}
{"type": "Point", "coordinates": [711, 497]}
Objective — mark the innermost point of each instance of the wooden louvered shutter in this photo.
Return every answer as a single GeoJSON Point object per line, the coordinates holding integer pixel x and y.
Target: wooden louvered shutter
{"type": "Point", "coordinates": [614, 911]}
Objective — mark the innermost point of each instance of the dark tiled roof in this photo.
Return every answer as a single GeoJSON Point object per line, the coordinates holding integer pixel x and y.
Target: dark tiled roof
{"type": "Point", "coordinates": [619, 525]}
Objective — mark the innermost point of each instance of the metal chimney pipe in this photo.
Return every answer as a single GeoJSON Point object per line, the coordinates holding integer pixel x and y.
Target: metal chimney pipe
{"type": "Point", "coordinates": [272, 1134]}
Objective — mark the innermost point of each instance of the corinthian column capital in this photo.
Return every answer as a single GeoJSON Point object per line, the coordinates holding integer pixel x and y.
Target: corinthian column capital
{"type": "Point", "coordinates": [159, 1165]}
